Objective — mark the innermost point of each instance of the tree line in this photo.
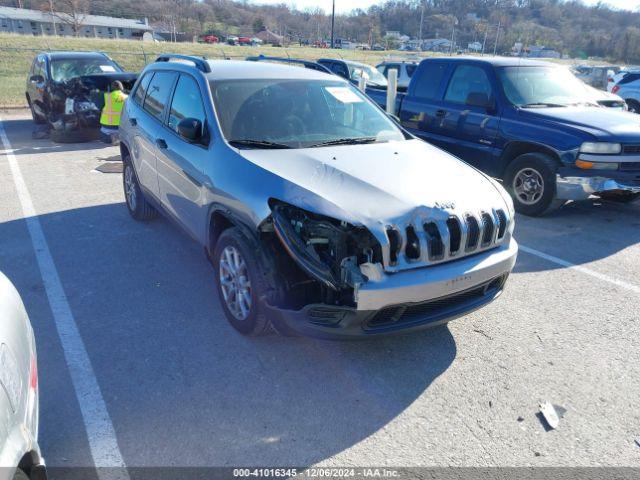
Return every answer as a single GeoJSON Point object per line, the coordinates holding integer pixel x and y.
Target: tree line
{"type": "Point", "coordinates": [569, 27]}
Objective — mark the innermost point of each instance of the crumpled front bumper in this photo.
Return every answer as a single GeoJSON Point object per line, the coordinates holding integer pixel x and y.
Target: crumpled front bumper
{"type": "Point", "coordinates": [572, 184]}
{"type": "Point", "coordinates": [408, 301]}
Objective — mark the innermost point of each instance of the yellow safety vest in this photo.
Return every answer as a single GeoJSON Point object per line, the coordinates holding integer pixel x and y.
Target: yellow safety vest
{"type": "Point", "coordinates": [113, 103]}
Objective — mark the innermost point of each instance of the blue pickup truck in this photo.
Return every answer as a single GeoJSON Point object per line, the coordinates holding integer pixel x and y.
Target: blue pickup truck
{"type": "Point", "coordinates": [530, 123]}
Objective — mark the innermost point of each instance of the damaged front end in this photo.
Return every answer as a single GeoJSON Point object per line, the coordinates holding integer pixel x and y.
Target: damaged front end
{"type": "Point", "coordinates": [332, 283]}
{"type": "Point", "coordinates": [329, 252]}
{"type": "Point", "coordinates": [76, 104]}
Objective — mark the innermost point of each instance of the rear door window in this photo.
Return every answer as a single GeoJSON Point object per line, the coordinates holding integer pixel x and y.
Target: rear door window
{"type": "Point", "coordinates": [428, 84]}
{"type": "Point", "coordinates": [158, 93]}
{"type": "Point", "coordinates": [186, 103]}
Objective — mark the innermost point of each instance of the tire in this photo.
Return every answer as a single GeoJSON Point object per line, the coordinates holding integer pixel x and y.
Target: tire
{"type": "Point", "coordinates": [38, 120]}
{"type": "Point", "coordinates": [531, 181]}
{"type": "Point", "coordinates": [138, 206]}
{"type": "Point", "coordinates": [238, 271]}
{"type": "Point", "coordinates": [620, 197]}
{"type": "Point", "coordinates": [634, 106]}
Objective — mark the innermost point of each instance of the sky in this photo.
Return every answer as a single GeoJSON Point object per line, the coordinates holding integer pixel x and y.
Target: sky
{"type": "Point", "coordinates": [345, 6]}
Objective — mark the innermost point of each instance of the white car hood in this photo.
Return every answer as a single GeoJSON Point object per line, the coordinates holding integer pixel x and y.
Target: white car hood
{"type": "Point", "coordinates": [394, 183]}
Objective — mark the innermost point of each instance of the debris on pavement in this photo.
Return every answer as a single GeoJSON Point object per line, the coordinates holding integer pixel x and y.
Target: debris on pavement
{"type": "Point", "coordinates": [638, 441]}
{"type": "Point", "coordinates": [520, 419]}
{"type": "Point", "coordinates": [551, 414]}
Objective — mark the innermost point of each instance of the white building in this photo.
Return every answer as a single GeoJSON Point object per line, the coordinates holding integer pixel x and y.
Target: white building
{"type": "Point", "coordinates": [34, 22]}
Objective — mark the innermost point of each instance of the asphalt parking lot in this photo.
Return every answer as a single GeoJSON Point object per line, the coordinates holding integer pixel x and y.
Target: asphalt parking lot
{"type": "Point", "coordinates": [180, 387]}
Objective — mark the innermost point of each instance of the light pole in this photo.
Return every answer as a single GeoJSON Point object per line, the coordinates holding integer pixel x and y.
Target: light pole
{"type": "Point", "coordinates": [333, 20]}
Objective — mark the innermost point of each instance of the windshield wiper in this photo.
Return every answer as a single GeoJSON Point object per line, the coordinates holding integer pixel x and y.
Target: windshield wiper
{"type": "Point", "coordinates": [345, 141]}
{"type": "Point", "coordinates": [246, 142]}
{"type": "Point", "coordinates": [541, 105]}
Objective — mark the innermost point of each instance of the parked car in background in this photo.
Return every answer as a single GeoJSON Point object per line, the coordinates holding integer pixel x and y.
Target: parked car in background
{"type": "Point", "coordinates": [209, 39]}
{"type": "Point", "coordinates": [20, 457]}
{"type": "Point", "coordinates": [319, 213]}
{"type": "Point", "coordinates": [530, 123]}
{"type": "Point", "coordinates": [65, 91]}
{"type": "Point", "coordinates": [606, 99]}
{"type": "Point", "coordinates": [613, 81]}
{"type": "Point", "coordinates": [596, 76]}
{"type": "Point", "coordinates": [405, 71]}
{"type": "Point", "coordinates": [628, 88]}
{"type": "Point", "coordinates": [352, 71]}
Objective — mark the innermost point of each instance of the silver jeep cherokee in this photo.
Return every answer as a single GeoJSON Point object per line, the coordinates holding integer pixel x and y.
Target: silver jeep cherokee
{"type": "Point", "coordinates": [319, 213]}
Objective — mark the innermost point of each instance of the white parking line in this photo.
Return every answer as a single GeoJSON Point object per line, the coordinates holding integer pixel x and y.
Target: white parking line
{"type": "Point", "coordinates": [100, 431]}
{"type": "Point", "coordinates": [578, 268]}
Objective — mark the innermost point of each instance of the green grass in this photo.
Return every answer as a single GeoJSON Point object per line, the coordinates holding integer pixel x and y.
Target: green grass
{"type": "Point", "coordinates": [17, 53]}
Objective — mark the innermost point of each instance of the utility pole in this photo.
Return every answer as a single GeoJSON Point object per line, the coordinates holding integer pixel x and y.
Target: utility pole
{"type": "Point", "coordinates": [333, 20]}
{"type": "Point", "coordinates": [421, 21]}
{"type": "Point", "coordinates": [495, 46]}
{"type": "Point", "coordinates": [453, 32]}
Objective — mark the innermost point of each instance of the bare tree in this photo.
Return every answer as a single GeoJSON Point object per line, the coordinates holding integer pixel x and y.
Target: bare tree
{"type": "Point", "coordinates": [69, 12]}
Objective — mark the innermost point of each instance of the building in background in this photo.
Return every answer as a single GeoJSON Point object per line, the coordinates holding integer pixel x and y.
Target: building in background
{"type": "Point", "coordinates": [34, 22]}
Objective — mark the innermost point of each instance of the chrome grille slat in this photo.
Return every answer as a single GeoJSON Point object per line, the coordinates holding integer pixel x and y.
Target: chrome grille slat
{"type": "Point", "coordinates": [448, 238]}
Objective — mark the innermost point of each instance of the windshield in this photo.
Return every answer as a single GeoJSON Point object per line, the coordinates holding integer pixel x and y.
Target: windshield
{"type": "Point", "coordinates": [65, 68]}
{"type": "Point", "coordinates": [370, 74]}
{"type": "Point", "coordinates": [298, 114]}
{"type": "Point", "coordinates": [542, 86]}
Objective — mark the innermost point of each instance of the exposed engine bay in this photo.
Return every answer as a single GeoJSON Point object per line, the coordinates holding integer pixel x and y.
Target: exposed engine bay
{"type": "Point", "coordinates": [327, 255]}
{"type": "Point", "coordinates": [76, 104]}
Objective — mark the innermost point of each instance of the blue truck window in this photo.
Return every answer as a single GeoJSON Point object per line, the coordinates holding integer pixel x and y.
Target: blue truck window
{"type": "Point", "coordinates": [467, 79]}
{"type": "Point", "coordinates": [429, 81]}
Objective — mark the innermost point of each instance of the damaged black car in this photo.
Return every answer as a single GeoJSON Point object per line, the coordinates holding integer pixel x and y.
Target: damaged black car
{"type": "Point", "coordinates": [65, 92]}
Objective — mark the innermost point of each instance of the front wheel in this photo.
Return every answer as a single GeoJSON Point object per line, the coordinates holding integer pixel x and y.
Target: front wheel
{"type": "Point", "coordinates": [240, 281]}
{"type": "Point", "coordinates": [531, 181]}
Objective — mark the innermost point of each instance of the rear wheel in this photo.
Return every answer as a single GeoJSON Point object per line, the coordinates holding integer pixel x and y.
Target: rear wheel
{"type": "Point", "coordinates": [531, 181]}
{"type": "Point", "coordinates": [240, 279]}
{"type": "Point", "coordinates": [138, 206]}
{"type": "Point", "coordinates": [620, 197]}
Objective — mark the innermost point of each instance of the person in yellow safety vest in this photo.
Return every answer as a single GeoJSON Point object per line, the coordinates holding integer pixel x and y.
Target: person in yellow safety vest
{"type": "Point", "coordinates": [110, 118]}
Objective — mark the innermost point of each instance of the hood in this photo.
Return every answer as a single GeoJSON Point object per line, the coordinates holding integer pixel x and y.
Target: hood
{"type": "Point", "coordinates": [605, 124]}
{"type": "Point", "coordinates": [380, 184]}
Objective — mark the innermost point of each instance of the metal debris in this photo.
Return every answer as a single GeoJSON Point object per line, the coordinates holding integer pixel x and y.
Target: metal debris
{"type": "Point", "coordinates": [638, 441]}
{"type": "Point", "coordinates": [552, 414]}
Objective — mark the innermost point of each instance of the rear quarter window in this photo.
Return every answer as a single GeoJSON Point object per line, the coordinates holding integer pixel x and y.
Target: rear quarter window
{"type": "Point", "coordinates": [141, 90]}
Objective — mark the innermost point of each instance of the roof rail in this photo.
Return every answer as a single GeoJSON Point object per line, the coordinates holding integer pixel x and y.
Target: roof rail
{"type": "Point", "coordinates": [199, 62]}
{"type": "Point", "coordinates": [306, 63]}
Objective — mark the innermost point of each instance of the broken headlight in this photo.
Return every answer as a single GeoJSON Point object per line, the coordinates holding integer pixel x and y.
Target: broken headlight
{"type": "Point", "coordinates": [327, 249]}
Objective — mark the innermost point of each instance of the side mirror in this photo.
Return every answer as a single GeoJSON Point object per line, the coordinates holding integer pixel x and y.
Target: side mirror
{"type": "Point", "coordinates": [480, 99]}
{"type": "Point", "coordinates": [190, 129]}
{"type": "Point", "coordinates": [36, 79]}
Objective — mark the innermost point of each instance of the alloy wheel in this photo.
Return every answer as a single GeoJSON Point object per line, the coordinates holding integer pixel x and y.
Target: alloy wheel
{"type": "Point", "coordinates": [234, 282]}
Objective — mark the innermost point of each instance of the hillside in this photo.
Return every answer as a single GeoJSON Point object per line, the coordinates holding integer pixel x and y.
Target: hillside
{"type": "Point", "coordinates": [567, 26]}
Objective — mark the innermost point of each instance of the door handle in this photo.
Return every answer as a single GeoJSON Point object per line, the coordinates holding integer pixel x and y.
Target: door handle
{"type": "Point", "coordinates": [441, 113]}
{"type": "Point", "coordinates": [133, 122]}
{"type": "Point", "coordinates": [161, 143]}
